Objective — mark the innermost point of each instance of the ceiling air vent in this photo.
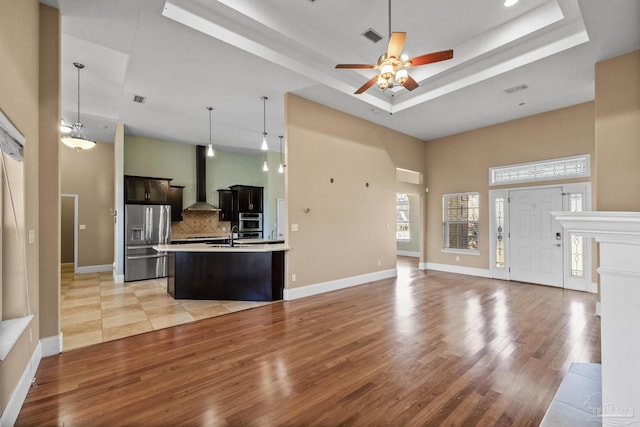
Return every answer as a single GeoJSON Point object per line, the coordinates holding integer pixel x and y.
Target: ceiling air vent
{"type": "Point", "coordinates": [139, 99]}
{"type": "Point", "coordinates": [517, 88]}
{"type": "Point", "coordinates": [372, 35]}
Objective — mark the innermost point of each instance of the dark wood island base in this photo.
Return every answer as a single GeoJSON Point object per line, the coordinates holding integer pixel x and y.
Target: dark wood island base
{"type": "Point", "coordinates": [231, 275]}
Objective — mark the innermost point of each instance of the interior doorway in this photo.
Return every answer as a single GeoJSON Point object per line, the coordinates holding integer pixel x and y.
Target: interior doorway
{"type": "Point", "coordinates": [68, 231]}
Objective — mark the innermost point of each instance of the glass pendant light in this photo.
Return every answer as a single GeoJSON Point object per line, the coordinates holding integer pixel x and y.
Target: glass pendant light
{"type": "Point", "coordinates": [210, 152]}
{"type": "Point", "coordinates": [265, 167]}
{"type": "Point", "coordinates": [264, 146]}
{"type": "Point", "coordinates": [281, 167]}
{"type": "Point", "coordinates": [77, 139]}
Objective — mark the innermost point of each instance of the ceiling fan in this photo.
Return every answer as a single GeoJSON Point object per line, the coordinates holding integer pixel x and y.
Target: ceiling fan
{"type": "Point", "coordinates": [392, 66]}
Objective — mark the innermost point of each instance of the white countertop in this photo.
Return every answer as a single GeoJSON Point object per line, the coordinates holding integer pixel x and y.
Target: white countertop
{"type": "Point", "coordinates": [204, 247]}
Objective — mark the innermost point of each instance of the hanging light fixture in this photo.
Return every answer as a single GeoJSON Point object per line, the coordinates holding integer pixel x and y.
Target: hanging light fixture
{"type": "Point", "coordinates": [264, 146]}
{"type": "Point", "coordinates": [210, 152]}
{"type": "Point", "coordinates": [77, 138]}
{"type": "Point", "coordinates": [281, 167]}
{"type": "Point", "coordinates": [65, 129]}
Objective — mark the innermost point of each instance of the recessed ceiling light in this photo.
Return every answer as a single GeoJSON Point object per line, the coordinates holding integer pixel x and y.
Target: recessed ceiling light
{"type": "Point", "coordinates": [509, 3]}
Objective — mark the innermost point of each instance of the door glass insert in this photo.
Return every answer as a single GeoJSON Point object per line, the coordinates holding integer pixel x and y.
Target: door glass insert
{"type": "Point", "coordinates": [577, 242]}
{"type": "Point", "coordinates": [499, 232]}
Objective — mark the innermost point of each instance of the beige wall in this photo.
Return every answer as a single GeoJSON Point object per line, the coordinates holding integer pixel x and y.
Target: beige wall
{"type": "Point", "coordinates": [617, 123]}
{"type": "Point", "coordinates": [89, 174]}
{"type": "Point", "coordinates": [349, 227]}
{"type": "Point", "coordinates": [19, 101]}
{"type": "Point", "coordinates": [460, 163]}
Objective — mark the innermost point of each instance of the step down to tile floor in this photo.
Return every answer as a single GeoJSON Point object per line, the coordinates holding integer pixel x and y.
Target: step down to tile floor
{"type": "Point", "coordinates": [578, 401]}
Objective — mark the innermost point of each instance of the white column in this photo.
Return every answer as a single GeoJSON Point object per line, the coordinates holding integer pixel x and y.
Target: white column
{"type": "Point", "coordinates": [618, 234]}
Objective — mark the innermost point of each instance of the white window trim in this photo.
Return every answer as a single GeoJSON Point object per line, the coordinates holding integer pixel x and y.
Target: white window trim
{"type": "Point", "coordinates": [529, 169]}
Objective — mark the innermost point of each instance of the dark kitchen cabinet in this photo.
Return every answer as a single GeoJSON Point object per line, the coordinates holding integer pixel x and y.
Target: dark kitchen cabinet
{"type": "Point", "coordinates": [139, 189]}
{"type": "Point", "coordinates": [225, 204]}
{"type": "Point", "coordinates": [248, 198]}
{"type": "Point", "coordinates": [174, 198]}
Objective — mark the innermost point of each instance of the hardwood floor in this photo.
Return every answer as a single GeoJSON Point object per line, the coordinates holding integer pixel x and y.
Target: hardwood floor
{"type": "Point", "coordinates": [427, 348]}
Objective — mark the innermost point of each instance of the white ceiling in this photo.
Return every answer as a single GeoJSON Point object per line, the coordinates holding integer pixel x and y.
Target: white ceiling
{"type": "Point", "coordinates": [184, 55]}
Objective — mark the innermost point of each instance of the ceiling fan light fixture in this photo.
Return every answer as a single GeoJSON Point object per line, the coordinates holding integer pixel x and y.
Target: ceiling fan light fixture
{"type": "Point", "coordinates": [383, 83]}
{"type": "Point", "coordinates": [402, 76]}
{"type": "Point", "coordinates": [509, 3]}
{"type": "Point", "coordinates": [387, 71]}
{"type": "Point", "coordinates": [77, 139]}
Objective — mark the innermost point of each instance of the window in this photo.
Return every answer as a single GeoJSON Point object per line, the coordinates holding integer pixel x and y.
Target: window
{"type": "Point", "coordinates": [546, 170]}
{"type": "Point", "coordinates": [403, 231]}
{"type": "Point", "coordinates": [461, 215]}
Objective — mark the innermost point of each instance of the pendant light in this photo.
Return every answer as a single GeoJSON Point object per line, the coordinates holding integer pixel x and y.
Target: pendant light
{"type": "Point", "coordinates": [77, 138]}
{"type": "Point", "coordinates": [264, 146]}
{"type": "Point", "coordinates": [210, 152]}
{"type": "Point", "coordinates": [281, 167]}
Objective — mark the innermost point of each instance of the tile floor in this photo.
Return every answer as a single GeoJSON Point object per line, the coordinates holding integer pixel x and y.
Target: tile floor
{"type": "Point", "coordinates": [94, 309]}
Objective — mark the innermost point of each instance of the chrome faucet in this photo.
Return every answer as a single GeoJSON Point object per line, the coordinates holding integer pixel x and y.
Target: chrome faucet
{"type": "Point", "coordinates": [231, 235]}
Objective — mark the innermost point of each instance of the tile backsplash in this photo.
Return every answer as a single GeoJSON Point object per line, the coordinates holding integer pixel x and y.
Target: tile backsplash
{"type": "Point", "coordinates": [199, 223]}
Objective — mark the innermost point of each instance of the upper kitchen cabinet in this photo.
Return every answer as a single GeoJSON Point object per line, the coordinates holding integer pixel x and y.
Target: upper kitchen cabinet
{"type": "Point", "coordinates": [248, 198]}
{"type": "Point", "coordinates": [139, 189]}
{"type": "Point", "coordinates": [174, 198]}
{"type": "Point", "coordinates": [225, 203]}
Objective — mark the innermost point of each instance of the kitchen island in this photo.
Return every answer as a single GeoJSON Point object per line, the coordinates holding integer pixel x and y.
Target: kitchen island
{"type": "Point", "coordinates": [220, 272]}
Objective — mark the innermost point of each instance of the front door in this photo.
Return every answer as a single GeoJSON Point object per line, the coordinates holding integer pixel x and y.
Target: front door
{"type": "Point", "coordinates": [536, 238]}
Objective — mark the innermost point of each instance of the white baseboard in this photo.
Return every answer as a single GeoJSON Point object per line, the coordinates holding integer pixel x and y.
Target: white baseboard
{"type": "Point", "coordinates": [413, 254]}
{"type": "Point", "coordinates": [12, 410]}
{"type": "Point", "coordinates": [469, 271]}
{"type": "Point", "coordinates": [598, 308]}
{"type": "Point", "coordinates": [94, 269]}
{"type": "Point", "coordinates": [593, 288]}
{"type": "Point", "coordinates": [333, 285]}
{"type": "Point", "coordinates": [422, 266]}
{"type": "Point", "coordinates": [118, 278]}
{"type": "Point", "coordinates": [51, 345]}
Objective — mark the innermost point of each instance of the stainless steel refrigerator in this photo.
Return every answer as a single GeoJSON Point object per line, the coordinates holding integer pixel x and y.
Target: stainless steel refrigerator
{"type": "Point", "coordinates": [145, 226]}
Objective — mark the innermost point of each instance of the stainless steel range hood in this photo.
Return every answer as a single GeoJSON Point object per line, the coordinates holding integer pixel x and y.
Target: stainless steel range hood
{"type": "Point", "coordinates": [201, 186]}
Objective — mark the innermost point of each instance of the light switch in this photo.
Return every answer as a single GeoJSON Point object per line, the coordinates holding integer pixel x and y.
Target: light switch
{"type": "Point", "coordinates": [83, 226]}
{"type": "Point", "coordinates": [32, 236]}
{"type": "Point", "coordinates": [294, 227]}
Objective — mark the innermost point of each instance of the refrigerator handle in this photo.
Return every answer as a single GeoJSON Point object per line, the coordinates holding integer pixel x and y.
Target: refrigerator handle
{"type": "Point", "coordinates": [147, 225]}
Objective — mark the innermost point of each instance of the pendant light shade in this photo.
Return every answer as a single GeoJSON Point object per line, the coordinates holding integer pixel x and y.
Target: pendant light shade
{"type": "Point", "coordinates": [265, 167]}
{"type": "Point", "coordinates": [77, 139]}
{"type": "Point", "coordinates": [210, 152]}
{"type": "Point", "coordinates": [281, 166]}
{"type": "Point", "coordinates": [264, 146]}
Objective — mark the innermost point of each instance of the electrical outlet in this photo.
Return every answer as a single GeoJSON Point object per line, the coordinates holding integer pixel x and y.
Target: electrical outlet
{"type": "Point", "coordinates": [379, 263]}
{"type": "Point", "coordinates": [293, 277]}
{"type": "Point", "coordinates": [32, 236]}
{"type": "Point", "coordinates": [83, 227]}
{"type": "Point", "coordinates": [457, 258]}
{"type": "Point", "coordinates": [224, 229]}
{"type": "Point", "coordinates": [294, 227]}
{"type": "Point", "coordinates": [30, 335]}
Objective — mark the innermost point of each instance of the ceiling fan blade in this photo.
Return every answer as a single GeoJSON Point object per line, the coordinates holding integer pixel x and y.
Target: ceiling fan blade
{"type": "Point", "coordinates": [431, 57]}
{"type": "Point", "coordinates": [354, 66]}
{"type": "Point", "coordinates": [366, 86]}
{"type": "Point", "coordinates": [396, 44]}
{"type": "Point", "coordinates": [410, 83]}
